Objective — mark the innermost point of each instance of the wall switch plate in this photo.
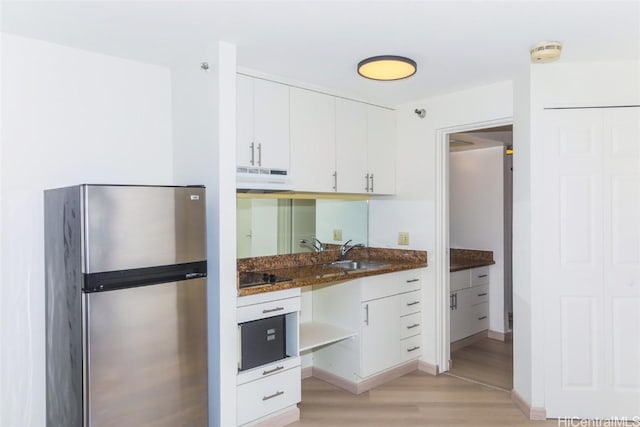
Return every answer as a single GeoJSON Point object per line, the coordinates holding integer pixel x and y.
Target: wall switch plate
{"type": "Point", "coordinates": [337, 235]}
{"type": "Point", "coordinates": [403, 238]}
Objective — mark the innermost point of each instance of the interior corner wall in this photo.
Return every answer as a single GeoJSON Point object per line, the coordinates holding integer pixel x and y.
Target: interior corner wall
{"type": "Point", "coordinates": [476, 215]}
{"type": "Point", "coordinates": [68, 117]}
{"type": "Point", "coordinates": [413, 207]}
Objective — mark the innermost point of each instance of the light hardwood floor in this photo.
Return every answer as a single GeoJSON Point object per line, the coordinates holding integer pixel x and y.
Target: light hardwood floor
{"type": "Point", "coordinates": [416, 399]}
{"type": "Point", "coordinates": [487, 361]}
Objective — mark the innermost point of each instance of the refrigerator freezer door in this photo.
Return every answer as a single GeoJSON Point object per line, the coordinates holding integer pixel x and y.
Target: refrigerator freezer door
{"type": "Point", "coordinates": [127, 227]}
{"type": "Point", "coordinates": [146, 351]}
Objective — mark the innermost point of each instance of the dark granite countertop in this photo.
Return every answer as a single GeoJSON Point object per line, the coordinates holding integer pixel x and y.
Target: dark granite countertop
{"type": "Point", "coordinates": [464, 259]}
{"type": "Point", "coordinates": [313, 268]}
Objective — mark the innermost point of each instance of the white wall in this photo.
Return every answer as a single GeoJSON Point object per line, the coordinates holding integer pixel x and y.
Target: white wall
{"type": "Point", "coordinates": [204, 114]}
{"type": "Point", "coordinates": [476, 215]}
{"type": "Point", "coordinates": [68, 117]}
{"type": "Point", "coordinates": [551, 85]}
{"type": "Point", "coordinates": [413, 209]}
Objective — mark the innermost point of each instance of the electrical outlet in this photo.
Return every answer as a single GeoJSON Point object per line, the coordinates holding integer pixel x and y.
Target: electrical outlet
{"type": "Point", "coordinates": [337, 235]}
{"type": "Point", "coordinates": [403, 238]}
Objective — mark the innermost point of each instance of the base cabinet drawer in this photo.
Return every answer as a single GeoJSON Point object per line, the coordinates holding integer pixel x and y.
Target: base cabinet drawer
{"type": "Point", "coordinates": [410, 348]}
{"type": "Point", "coordinates": [410, 325]}
{"type": "Point", "coordinates": [262, 397]}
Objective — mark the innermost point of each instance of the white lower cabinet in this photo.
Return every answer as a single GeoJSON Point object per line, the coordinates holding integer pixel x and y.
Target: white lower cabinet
{"type": "Point", "coordinates": [385, 310]}
{"type": "Point", "coordinates": [469, 306]}
{"type": "Point", "coordinates": [265, 396]}
{"type": "Point", "coordinates": [265, 390]}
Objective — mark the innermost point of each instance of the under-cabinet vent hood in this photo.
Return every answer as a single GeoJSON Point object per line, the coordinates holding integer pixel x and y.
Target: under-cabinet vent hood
{"type": "Point", "coordinates": [256, 178]}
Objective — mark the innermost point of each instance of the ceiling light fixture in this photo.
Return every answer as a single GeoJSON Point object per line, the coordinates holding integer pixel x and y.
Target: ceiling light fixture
{"type": "Point", "coordinates": [544, 52]}
{"type": "Point", "coordinates": [387, 67]}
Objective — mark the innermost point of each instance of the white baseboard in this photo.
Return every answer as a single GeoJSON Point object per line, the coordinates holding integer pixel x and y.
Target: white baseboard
{"type": "Point", "coordinates": [369, 383]}
{"type": "Point", "coordinates": [533, 413]}
{"type": "Point", "coordinates": [457, 345]}
{"type": "Point", "coordinates": [306, 372]}
{"type": "Point", "coordinates": [500, 336]}
{"type": "Point", "coordinates": [428, 367]}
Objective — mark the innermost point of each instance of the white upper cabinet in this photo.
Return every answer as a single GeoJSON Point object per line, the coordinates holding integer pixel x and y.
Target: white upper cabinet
{"type": "Point", "coordinates": [262, 123]}
{"type": "Point", "coordinates": [351, 146]}
{"type": "Point", "coordinates": [313, 155]}
{"type": "Point", "coordinates": [381, 159]}
{"type": "Point", "coordinates": [365, 148]}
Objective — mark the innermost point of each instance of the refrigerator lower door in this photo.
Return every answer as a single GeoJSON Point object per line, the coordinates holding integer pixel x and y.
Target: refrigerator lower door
{"type": "Point", "coordinates": [146, 356]}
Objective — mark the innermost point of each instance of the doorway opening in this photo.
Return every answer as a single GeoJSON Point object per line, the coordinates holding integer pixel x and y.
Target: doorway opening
{"type": "Point", "coordinates": [480, 200]}
{"type": "Point", "coordinates": [475, 170]}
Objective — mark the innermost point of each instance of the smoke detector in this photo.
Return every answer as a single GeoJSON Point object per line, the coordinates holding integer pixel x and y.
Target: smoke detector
{"type": "Point", "coordinates": [544, 52]}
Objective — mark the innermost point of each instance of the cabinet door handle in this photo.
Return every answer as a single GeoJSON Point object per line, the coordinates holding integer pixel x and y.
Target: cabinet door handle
{"type": "Point", "coordinates": [271, 371]}
{"type": "Point", "coordinates": [253, 156]}
{"type": "Point", "coordinates": [413, 349]}
{"type": "Point", "coordinates": [335, 181]}
{"type": "Point", "coordinates": [482, 318]}
{"type": "Point", "coordinates": [451, 302]}
{"type": "Point", "coordinates": [412, 280]}
{"type": "Point", "coordinates": [271, 310]}
{"type": "Point", "coordinates": [482, 275]}
{"type": "Point", "coordinates": [366, 177]}
{"type": "Point", "coordinates": [455, 301]}
{"type": "Point", "coordinates": [482, 294]}
{"type": "Point", "coordinates": [415, 325]}
{"type": "Point", "coordinates": [371, 176]}
{"type": "Point", "coordinates": [409, 304]}
{"type": "Point", "coordinates": [260, 154]}
{"type": "Point", "coordinates": [366, 312]}
{"type": "Point", "coordinates": [276, 394]}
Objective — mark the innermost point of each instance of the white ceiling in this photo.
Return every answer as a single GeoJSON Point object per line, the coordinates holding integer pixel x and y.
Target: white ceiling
{"type": "Point", "coordinates": [457, 44]}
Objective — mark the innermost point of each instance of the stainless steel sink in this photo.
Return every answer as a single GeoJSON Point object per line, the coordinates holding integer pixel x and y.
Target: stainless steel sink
{"type": "Point", "coordinates": [356, 265]}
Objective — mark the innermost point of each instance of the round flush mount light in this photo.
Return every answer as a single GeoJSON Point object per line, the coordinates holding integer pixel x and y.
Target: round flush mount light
{"type": "Point", "coordinates": [544, 52]}
{"type": "Point", "coordinates": [387, 67]}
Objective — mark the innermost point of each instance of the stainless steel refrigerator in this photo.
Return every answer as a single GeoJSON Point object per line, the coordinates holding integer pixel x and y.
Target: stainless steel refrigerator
{"type": "Point", "coordinates": [126, 331]}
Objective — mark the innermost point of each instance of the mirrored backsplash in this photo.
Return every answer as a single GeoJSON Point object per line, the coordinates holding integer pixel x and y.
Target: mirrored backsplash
{"type": "Point", "coordinates": [275, 226]}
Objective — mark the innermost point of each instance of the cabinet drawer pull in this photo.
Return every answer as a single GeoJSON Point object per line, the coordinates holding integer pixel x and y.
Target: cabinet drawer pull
{"type": "Point", "coordinates": [366, 177]}
{"type": "Point", "coordinates": [260, 154]}
{"type": "Point", "coordinates": [271, 310]}
{"type": "Point", "coordinates": [413, 348]}
{"type": "Point", "coordinates": [482, 294]}
{"type": "Point", "coordinates": [412, 280]}
{"type": "Point", "coordinates": [276, 394]}
{"type": "Point", "coordinates": [482, 275]}
{"type": "Point", "coordinates": [366, 310]}
{"type": "Point", "coordinates": [252, 147]}
{"type": "Point", "coordinates": [271, 371]}
{"type": "Point", "coordinates": [412, 303]}
{"type": "Point", "coordinates": [415, 325]}
{"type": "Point", "coordinates": [482, 318]}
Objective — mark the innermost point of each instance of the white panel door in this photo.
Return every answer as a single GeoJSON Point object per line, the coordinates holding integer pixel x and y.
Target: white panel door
{"type": "Point", "coordinates": [351, 146]}
{"type": "Point", "coordinates": [591, 275]}
{"type": "Point", "coordinates": [380, 335]}
{"type": "Point", "coordinates": [245, 148]}
{"type": "Point", "coordinates": [381, 149]}
{"type": "Point", "coordinates": [313, 150]}
{"type": "Point", "coordinates": [621, 127]}
{"type": "Point", "coordinates": [271, 124]}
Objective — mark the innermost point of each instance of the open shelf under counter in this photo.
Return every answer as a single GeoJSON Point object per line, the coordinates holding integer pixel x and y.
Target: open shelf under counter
{"type": "Point", "coordinates": [315, 334]}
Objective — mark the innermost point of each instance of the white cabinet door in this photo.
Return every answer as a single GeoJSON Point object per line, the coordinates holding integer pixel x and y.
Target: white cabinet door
{"type": "Point", "coordinates": [262, 138]}
{"type": "Point", "coordinates": [380, 335]}
{"type": "Point", "coordinates": [313, 154]}
{"type": "Point", "coordinates": [351, 146]}
{"type": "Point", "coordinates": [381, 159]}
{"type": "Point", "coordinates": [592, 266]}
{"type": "Point", "coordinates": [245, 150]}
{"type": "Point", "coordinates": [271, 124]}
